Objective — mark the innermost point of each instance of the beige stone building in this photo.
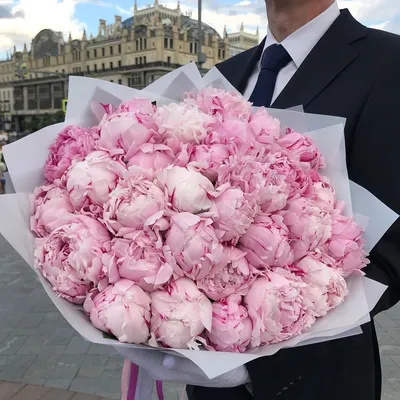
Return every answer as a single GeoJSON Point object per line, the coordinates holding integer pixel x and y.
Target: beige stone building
{"type": "Point", "coordinates": [134, 52]}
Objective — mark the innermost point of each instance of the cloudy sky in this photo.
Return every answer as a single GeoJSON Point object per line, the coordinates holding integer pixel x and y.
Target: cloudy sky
{"type": "Point", "coordinates": [21, 20]}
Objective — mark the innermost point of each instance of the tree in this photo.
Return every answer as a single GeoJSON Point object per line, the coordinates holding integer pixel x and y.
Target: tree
{"type": "Point", "coordinates": [59, 116]}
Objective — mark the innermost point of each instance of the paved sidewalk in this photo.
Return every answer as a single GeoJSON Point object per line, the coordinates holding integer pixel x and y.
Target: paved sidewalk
{"type": "Point", "coordinates": [19, 391]}
{"type": "Point", "coordinates": [38, 347]}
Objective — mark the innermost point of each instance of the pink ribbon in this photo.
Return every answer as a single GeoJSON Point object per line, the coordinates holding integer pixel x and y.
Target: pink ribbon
{"type": "Point", "coordinates": [129, 382]}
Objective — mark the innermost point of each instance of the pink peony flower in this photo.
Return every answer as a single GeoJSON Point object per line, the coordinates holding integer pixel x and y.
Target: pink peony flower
{"type": "Point", "coordinates": [266, 242]}
{"type": "Point", "coordinates": [302, 149]}
{"type": "Point", "coordinates": [123, 132]}
{"type": "Point", "coordinates": [138, 260]}
{"type": "Point", "coordinates": [310, 226]}
{"type": "Point", "coordinates": [100, 110]}
{"type": "Point", "coordinates": [232, 132]}
{"type": "Point", "coordinates": [51, 209]}
{"type": "Point", "coordinates": [346, 245]}
{"type": "Point", "coordinates": [73, 143]}
{"type": "Point", "coordinates": [298, 181]}
{"type": "Point", "coordinates": [194, 244]}
{"type": "Point", "coordinates": [182, 123]}
{"type": "Point", "coordinates": [65, 281]}
{"type": "Point", "coordinates": [231, 325]}
{"type": "Point", "coordinates": [233, 275]}
{"type": "Point", "coordinates": [221, 104]}
{"type": "Point", "coordinates": [323, 193]}
{"type": "Point", "coordinates": [326, 286]}
{"type": "Point", "coordinates": [253, 176]}
{"type": "Point", "coordinates": [92, 180]}
{"type": "Point", "coordinates": [266, 129]}
{"type": "Point", "coordinates": [70, 257]}
{"type": "Point", "coordinates": [180, 313]}
{"type": "Point", "coordinates": [188, 190]}
{"type": "Point", "coordinates": [150, 158]}
{"type": "Point", "coordinates": [208, 158]}
{"type": "Point", "coordinates": [122, 309]}
{"type": "Point", "coordinates": [234, 212]}
{"type": "Point", "coordinates": [134, 204]}
{"type": "Point", "coordinates": [278, 307]}
{"type": "Point", "coordinates": [137, 105]}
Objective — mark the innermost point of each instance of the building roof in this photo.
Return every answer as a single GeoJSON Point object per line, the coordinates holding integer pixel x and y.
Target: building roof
{"type": "Point", "coordinates": [186, 22]}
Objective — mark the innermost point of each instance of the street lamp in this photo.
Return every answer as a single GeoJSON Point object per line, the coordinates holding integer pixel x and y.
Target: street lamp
{"type": "Point", "coordinates": [201, 58]}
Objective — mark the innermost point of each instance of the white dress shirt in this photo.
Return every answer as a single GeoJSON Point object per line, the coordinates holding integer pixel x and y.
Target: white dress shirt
{"type": "Point", "coordinates": [299, 44]}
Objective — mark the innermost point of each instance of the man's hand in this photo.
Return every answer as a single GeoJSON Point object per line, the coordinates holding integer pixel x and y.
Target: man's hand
{"type": "Point", "coordinates": [166, 367]}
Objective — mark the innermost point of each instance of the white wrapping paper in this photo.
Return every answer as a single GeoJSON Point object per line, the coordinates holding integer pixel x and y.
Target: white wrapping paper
{"type": "Point", "coordinates": [26, 171]}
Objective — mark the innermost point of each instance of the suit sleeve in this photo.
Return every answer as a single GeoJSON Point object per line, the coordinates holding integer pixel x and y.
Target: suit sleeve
{"type": "Point", "coordinates": [374, 163]}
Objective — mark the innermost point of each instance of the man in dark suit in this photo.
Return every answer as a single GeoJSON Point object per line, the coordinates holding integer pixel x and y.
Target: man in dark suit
{"type": "Point", "coordinates": [323, 59]}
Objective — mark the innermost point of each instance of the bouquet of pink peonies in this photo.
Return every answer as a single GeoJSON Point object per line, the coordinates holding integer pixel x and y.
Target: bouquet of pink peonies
{"type": "Point", "coordinates": [194, 224]}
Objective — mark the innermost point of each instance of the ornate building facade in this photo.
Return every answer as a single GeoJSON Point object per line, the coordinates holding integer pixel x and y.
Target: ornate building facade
{"type": "Point", "coordinates": [134, 52]}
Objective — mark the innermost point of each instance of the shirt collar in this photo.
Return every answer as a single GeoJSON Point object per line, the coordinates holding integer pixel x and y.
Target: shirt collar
{"type": "Point", "coordinates": [300, 43]}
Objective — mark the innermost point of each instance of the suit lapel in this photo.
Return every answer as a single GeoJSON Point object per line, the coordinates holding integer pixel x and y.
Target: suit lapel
{"type": "Point", "coordinates": [249, 67]}
{"type": "Point", "coordinates": [332, 54]}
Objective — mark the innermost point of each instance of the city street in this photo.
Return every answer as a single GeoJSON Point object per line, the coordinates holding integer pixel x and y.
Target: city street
{"type": "Point", "coordinates": [37, 346]}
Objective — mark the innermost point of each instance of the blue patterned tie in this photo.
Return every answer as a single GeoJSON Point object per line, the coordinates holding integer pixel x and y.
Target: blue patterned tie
{"type": "Point", "coordinates": [274, 58]}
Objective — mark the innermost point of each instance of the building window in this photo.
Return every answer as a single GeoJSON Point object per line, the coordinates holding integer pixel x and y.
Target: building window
{"type": "Point", "coordinates": [88, 54]}
{"type": "Point", "coordinates": [136, 61]}
{"type": "Point", "coordinates": [88, 68]}
{"type": "Point", "coordinates": [119, 49]}
{"type": "Point", "coordinates": [136, 80]}
{"type": "Point", "coordinates": [129, 82]}
{"type": "Point", "coordinates": [144, 60]}
{"type": "Point", "coordinates": [44, 97]}
{"type": "Point", "coordinates": [95, 53]}
{"type": "Point", "coordinates": [103, 66]}
{"type": "Point", "coordinates": [171, 43]}
{"type": "Point", "coordinates": [165, 43]}
{"type": "Point", "coordinates": [137, 45]}
{"type": "Point", "coordinates": [111, 50]}
{"type": "Point", "coordinates": [95, 67]}
{"type": "Point", "coordinates": [63, 71]}
{"type": "Point", "coordinates": [112, 81]}
{"type": "Point", "coordinates": [111, 65]}
{"type": "Point", "coordinates": [119, 81]}
{"type": "Point", "coordinates": [119, 64]}
{"type": "Point", "coordinates": [144, 43]}
{"type": "Point", "coordinates": [103, 51]}
{"type": "Point", "coordinates": [169, 60]}
{"type": "Point", "coordinates": [32, 97]}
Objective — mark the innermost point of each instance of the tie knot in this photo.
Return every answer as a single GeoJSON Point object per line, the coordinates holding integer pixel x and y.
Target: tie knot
{"type": "Point", "coordinates": [275, 58]}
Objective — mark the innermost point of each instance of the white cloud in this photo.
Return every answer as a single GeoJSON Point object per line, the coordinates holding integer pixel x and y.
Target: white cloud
{"type": "Point", "coordinates": [29, 17]}
{"type": "Point", "coordinates": [124, 11]}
